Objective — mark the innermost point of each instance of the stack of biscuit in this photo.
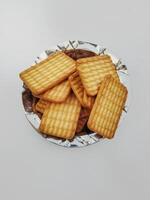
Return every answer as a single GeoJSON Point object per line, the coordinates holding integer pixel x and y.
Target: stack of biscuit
{"type": "Point", "coordinates": [75, 92]}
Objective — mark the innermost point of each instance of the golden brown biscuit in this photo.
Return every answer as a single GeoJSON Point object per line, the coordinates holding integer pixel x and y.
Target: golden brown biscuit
{"type": "Point", "coordinates": [60, 119]}
{"type": "Point", "coordinates": [78, 89]}
{"type": "Point", "coordinates": [83, 118]}
{"type": "Point", "coordinates": [92, 73]}
{"type": "Point", "coordinates": [57, 94]}
{"type": "Point", "coordinates": [108, 106]}
{"type": "Point", "coordinates": [105, 58]}
{"type": "Point", "coordinates": [88, 101]}
{"type": "Point", "coordinates": [48, 73]}
{"type": "Point", "coordinates": [41, 105]}
{"type": "Point", "coordinates": [77, 86]}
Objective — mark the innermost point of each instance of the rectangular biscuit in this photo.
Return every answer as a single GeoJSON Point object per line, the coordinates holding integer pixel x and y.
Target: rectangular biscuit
{"type": "Point", "coordinates": [88, 101]}
{"type": "Point", "coordinates": [60, 119]}
{"type": "Point", "coordinates": [105, 58]}
{"type": "Point", "coordinates": [92, 73]}
{"type": "Point", "coordinates": [78, 89]}
{"type": "Point", "coordinates": [41, 105]}
{"type": "Point", "coordinates": [77, 86]}
{"type": "Point", "coordinates": [48, 73]}
{"type": "Point", "coordinates": [108, 106]}
{"type": "Point", "coordinates": [83, 118]}
{"type": "Point", "coordinates": [57, 94]}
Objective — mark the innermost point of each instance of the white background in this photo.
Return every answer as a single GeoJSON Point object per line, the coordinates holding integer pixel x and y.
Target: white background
{"type": "Point", "coordinates": [32, 168]}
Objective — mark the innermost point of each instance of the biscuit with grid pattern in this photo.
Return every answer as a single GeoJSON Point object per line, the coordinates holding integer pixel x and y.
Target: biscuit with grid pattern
{"type": "Point", "coordinates": [88, 101]}
{"type": "Point", "coordinates": [92, 73]}
{"type": "Point", "coordinates": [105, 58]}
{"type": "Point", "coordinates": [79, 91]}
{"type": "Point", "coordinates": [57, 94]}
{"type": "Point", "coordinates": [48, 73]}
{"type": "Point", "coordinates": [83, 118]}
{"type": "Point", "coordinates": [41, 105]}
{"type": "Point", "coordinates": [108, 106]}
{"type": "Point", "coordinates": [77, 86]}
{"type": "Point", "coordinates": [60, 119]}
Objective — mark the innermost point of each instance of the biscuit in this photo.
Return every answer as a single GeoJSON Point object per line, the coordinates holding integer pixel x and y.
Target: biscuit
{"type": "Point", "coordinates": [88, 101]}
{"type": "Point", "coordinates": [83, 118]}
{"type": "Point", "coordinates": [41, 105]}
{"type": "Point", "coordinates": [92, 73]}
{"type": "Point", "coordinates": [77, 86]}
{"type": "Point", "coordinates": [79, 91]}
{"type": "Point", "coordinates": [60, 119]}
{"type": "Point", "coordinates": [48, 73]}
{"type": "Point", "coordinates": [108, 106]}
{"type": "Point", "coordinates": [57, 94]}
{"type": "Point", "coordinates": [105, 58]}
